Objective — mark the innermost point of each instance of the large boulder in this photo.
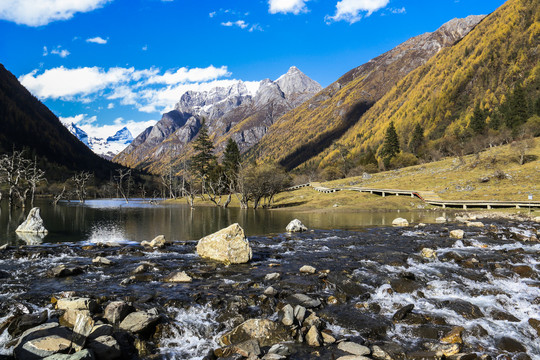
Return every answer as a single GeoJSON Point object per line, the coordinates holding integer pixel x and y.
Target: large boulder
{"type": "Point", "coordinates": [400, 222]}
{"type": "Point", "coordinates": [139, 322]}
{"type": "Point", "coordinates": [42, 341]}
{"type": "Point", "coordinates": [228, 245]}
{"type": "Point", "coordinates": [33, 223]}
{"type": "Point", "coordinates": [296, 226]}
{"type": "Point", "coordinates": [116, 311]}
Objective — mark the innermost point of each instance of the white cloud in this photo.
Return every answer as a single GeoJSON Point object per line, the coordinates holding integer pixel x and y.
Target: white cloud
{"type": "Point", "coordinates": [240, 23]}
{"type": "Point", "coordinates": [398, 11]}
{"type": "Point", "coordinates": [97, 40]}
{"type": "Point", "coordinates": [212, 14]}
{"type": "Point", "coordinates": [42, 12]}
{"type": "Point", "coordinates": [184, 75]}
{"type": "Point", "coordinates": [287, 6]}
{"type": "Point", "coordinates": [66, 84]}
{"type": "Point", "coordinates": [60, 52]}
{"type": "Point", "coordinates": [147, 90]}
{"type": "Point", "coordinates": [45, 51]}
{"type": "Point", "coordinates": [352, 10]}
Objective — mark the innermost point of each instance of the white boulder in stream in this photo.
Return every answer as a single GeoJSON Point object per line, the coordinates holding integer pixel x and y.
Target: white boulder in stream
{"type": "Point", "coordinates": [296, 226]}
{"type": "Point", "coordinates": [400, 222]}
{"type": "Point", "coordinates": [228, 245]}
{"type": "Point", "coordinates": [33, 223]}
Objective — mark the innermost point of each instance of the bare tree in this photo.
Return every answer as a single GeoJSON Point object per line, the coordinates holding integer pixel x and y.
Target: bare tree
{"type": "Point", "coordinates": [242, 186]}
{"type": "Point", "coordinates": [522, 147]}
{"type": "Point", "coordinates": [81, 179]}
{"type": "Point", "coordinates": [58, 197]}
{"type": "Point", "coordinates": [35, 177]}
{"type": "Point", "coordinates": [14, 169]}
{"type": "Point", "coordinates": [122, 182]}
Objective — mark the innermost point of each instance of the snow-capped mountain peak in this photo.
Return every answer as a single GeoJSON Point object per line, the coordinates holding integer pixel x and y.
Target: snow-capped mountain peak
{"type": "Point", "coordinates": [122, 135]}
{"type": "Point", "coordinates": [106, 148]}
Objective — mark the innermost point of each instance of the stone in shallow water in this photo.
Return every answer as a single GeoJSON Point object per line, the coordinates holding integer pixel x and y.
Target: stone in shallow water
{"type": "Point", "coordinates": [457, 234]}
{"type": "Point", "coordinates": [307, 269]}
{"type": "Point", "coordinates": [296, 226]}
{"type": "Point", "coordinates": [33, 223]}
{"type": "Point", "coordinates": [106, 348]}
{"type": "Point", "coordinates": [454, 336]}
{"type": "Point", "coordinates": [83, 327]}
{"type": "Point", "coordinates": [313, 337]}
{"type": "Point", "coordinates": [81, 355]}
{"type": "Point", "coordinates": [75, 303]}
{"type": "Point", "coordinates": [303, 300]}
{"type": "Point", "coordinates": [265, 331]}
{"type": "Point", "coordinates": [401, 313]}
{"type": "Point", "coordinates": [272, 277]}
{"type": "Point", "coordinates": [428, 253]}
{"type": "Point", "coordinates": [400, 222]}
{"type": "Point", "coordinates": [179, 277]}
{"type": "Point", "coordinates": [42, 341]}
{"type": "Point", "coordinates": [286, 315]}
{"type": "Point", "coordinates": [116, 311]}
{"type": "Point", "coordinates": [140, 321]}
{"type": "Point", "coordinates": [102, 261]}
{"type": "Point", "coordinates": [228, 245]}
{"type": "Point", "coordinates": [158, 242]}
{"type": "Point", "coordinates": [354, 348]}
{"type": "Point", "coordinates": [511, 345]}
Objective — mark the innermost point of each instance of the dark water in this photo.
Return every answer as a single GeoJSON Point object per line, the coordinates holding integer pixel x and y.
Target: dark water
{"type": "Point", "coordinates": [114, 220]}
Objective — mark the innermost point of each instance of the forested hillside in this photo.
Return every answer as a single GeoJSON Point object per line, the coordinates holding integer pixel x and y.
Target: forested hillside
{"type": "Point", "coordinates": [27, 124]}
{"type": "Point", "coordinates": [482, 91]}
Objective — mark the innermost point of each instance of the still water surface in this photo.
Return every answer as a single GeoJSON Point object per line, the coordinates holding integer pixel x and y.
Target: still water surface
{"type": "Point", "coordinates": [114, 220]}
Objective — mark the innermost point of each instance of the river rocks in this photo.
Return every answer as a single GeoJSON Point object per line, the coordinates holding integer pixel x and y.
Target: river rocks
{"type": "Point", "coordinates": [272, 277]}
{"type": "Point", "coordinates": [428, 253]}
{"type": "Point", "coordinates": [464, 308]}
{"type": "Point", "coordinates": [65, 271]}
{"type": "Point", "coordinates": [508, 344]}
{"type": "Point", "coordinates": [303, 300]}
{"type": "Point", "coordinates": [33, 223]}
{"type": "Point", "coordinates": [139, 322]}
{"type": "Point", "coordinates": [354, 348]}
{"type": "Point", "coordinates": [76, 303]}
{"type": "Point", "coordinates": [286, 314]}
{"type": "Point", "coordinates": [101, 330]}
{"type": "Point", "coordinates": [43, 341]}
{"type": "Point", "coordinates": [454, 336]}
{"type": "Point", "coordinates": [158, 242]}
{"type": "Point", "coordinates": [105, 347]}
{"type": "Point", "coordinates": [102, 261]}
{"type": "Point", "coordinates": [457, 234]}
{"type": "Point", "coordinates": [80, 355]}
{"type": "Point", "coordinates": [474, 224]}
{"type": "Point", "coordinates": [228, 245]}
{"type": "Point", "coordinates": [116, 311]}
{"type": "Point", "coordinates": [535, 324]}
{"type": "Point", "coordinates": [179, 277]}
{"type": "Point", "coordinates": [307, 269]}
{"type": "Point", "coordinates": [296, 226]}
{"type": "Point", "coordinates": [270, 291]}
{"type": "Point", "coordinates": [440, 220]}
{"type": "Point", "coordinates": [82, 329]}
{"type": "Point", "coordinates": [313, 337]}
{"type": "Point", "coordinates": [266, 332]}
{"type": "Point", "coordinates": [400, 222]}
{"type": "Point", "coordinates": [401, 313]}
{"type": "Point", "coordinates": [26, 321]}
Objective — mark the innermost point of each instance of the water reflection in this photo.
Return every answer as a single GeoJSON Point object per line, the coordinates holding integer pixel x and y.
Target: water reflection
{"type": "Point", "coordinates": [30, 238]}
{"type": "Point", "coordinates": [139, 220]}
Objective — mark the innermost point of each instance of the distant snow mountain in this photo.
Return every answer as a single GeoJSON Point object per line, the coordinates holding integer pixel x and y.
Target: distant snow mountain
{"type": "Point", "coordinates": [106, 148]}
{"type": "Point", "coordinates": [242, 111]}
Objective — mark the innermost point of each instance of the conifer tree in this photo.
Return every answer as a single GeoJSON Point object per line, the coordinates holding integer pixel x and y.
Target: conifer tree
{"type": "Point", "coordinates": [417, 139]}
{"type": "Point", "coordinates": [517, 109]}
{"type": "Point", "coordinates": [391, 143]}
{"type": "Point", "coordinates": [478, 120]}
{"type": "Point", "coordinates": [204, 157]}
{"type": "Point", "coordinates": [231, 157]}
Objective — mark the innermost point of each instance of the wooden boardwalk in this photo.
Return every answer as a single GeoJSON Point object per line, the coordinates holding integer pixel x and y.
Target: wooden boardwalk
{"type": "Point", "coordinates": [429, 197]}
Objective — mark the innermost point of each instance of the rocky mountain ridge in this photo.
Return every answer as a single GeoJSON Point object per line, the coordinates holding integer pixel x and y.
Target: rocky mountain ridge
{"type": "Point", "coordinates": [243, 111]}
{"type": "Point", "coordinates": [313, 126]}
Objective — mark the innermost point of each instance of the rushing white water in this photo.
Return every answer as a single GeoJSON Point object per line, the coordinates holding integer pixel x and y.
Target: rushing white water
{"type": "Point", "coordinates": [510, 294]}
{"type": "Point", "coordinates": [192, 333]}
{"type": "Point", "coordinates": [108, 234]}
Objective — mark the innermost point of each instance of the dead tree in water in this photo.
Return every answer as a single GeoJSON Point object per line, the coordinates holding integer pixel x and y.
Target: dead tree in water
{"type": "Point", "coordinates": [122, 179]}
{"type": "Point", "coordinates": [81, 179]}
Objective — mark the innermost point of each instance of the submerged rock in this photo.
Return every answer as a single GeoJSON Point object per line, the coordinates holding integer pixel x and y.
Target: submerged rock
{"type": "Point", "coordinates": [428, 253]}
{"type": "Point", "coordinates": [354, 348]}
{"type": "Point", "coordinates": [307, 269]}
{"type": "Point", "coordinates": [228, 245]}
{"type": "Point", "coordinates": [158, 242]}
{"type": "Point", "coordinates": [33, 223]}
{"type": "Point", "coordinates": [296, 226]}
{"type": "Point", "coordinates": [179, 277]}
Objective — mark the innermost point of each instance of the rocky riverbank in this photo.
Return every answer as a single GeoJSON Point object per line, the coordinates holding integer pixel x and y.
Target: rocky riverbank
{"type": "Point", "coordinates": [412, 292]}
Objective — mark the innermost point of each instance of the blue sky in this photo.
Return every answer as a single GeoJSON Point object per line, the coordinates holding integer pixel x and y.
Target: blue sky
{"type": "Point", "coordinates": [106, 64]}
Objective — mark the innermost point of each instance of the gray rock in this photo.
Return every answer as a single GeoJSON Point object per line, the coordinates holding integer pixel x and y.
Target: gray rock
{"type": "Point", "coordinates": [105, 348]}
{"type": "Point", "coordinates": [85, 354]}
{"type": "Point", "coordinates": [140, 321]}
{"type": "Point", "coordinates": [101, 330]}
{"type": "Point", "coordinates": [270, 291]}
{"type": "Point", "coordinates": [457, 234]}
{"type": "Point", "coordinates": [65, 271]}
{"type": "Point", "coordinates": [228, 245]}
{"type": "Point", "coordinates": [76, 303]}
{"type": "Point", "coordinates": [296, 226]}
{"type": "Point", "coordinates": [82, 329]}
{"type": "Point", "coordinates": [33, 223]}
{"type": "Point", "coordinates": [179, 277]}
{"type": "Point", "coordinates": [158, 242]}
{"type": "Point", "coordinates": [307, 269]}
{"type": "Point", "coordinates": [353, 357]}
{"type": "Point", "coordinates": [42, 341]}
{"type": "Point", "coordinates": [69, 317]}
{"type": "Point", "coordinates": [272, 277]}
{"type": "Point", "coordinates": [102, 261]}
{"type": "Point", "coordinates": [287, 315]}
{"type": "Point", "coordinates": [116, 311]}
{"type": "Point", "coordinates": [280, 349]}
{"type": "Point", "coordinates": [303, 300]}
{"type": "Point", "coordinates": [354, 348]}
{"type": "Point", "coordinates": [299, 313]}
{"type": "Point", "coordinates": [265, 331]}
{"type": "Point", "coordinates": [400, 222]}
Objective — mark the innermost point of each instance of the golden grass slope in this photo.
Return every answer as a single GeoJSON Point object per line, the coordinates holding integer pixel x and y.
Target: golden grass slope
{"type": "Point", "coordinates": [481, 69]}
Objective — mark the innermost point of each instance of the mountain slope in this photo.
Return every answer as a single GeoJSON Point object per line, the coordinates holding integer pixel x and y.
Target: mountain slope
{"type": "Point", "coordinates": [25, 123]}
{"type": "Point", "coordinates": [243, 111]}
{"type": "Point", "coordinates": [309, 129]}
{"type": "Point", "coordinates": [482, 69]}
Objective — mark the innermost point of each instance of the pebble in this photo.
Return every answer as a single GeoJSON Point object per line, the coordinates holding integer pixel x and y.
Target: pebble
{"type": "Point", "coordinates": [272, 277]}
{"type": "Point", "coordinates": [307, 269]}
{"type": "Point", "coordinates": [354, 348]}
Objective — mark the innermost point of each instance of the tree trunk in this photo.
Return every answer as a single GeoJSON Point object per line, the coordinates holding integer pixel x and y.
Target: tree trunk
{"type": "Point", "coordinates": [227, 202]}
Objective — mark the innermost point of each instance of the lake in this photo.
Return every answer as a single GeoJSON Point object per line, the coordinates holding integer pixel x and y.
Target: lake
{"type": "Point", "coordinates": [138, 220]}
